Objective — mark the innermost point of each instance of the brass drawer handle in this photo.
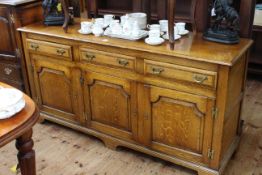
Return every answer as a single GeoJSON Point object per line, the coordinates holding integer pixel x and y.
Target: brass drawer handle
{"type": "Point", "coordinates": [199, 78]}
{"type": "Point", "coordinates": [123, 62]}
{"type": "Point", "coordinates": [90, 57]}
{"type": "Point", "coordinates": [34, 46]}
{"type": "Point", "coordinates": [8, 71]}
{"type": "Point", "coordinates": [60, 52]}
{"type": "Point", "coordinates": [157, 71]}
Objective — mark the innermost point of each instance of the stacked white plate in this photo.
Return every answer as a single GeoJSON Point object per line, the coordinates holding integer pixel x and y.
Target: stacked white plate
{"type": "Point", "coordinates": [11, 102]}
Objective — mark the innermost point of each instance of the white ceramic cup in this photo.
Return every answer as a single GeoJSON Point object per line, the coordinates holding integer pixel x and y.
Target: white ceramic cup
{"type": "Point", "coordinates": [181, 27]}
{"type": "Point", "coordinates": [86, 26]}
{"type": "Point", "coordinates": [97, 30]}
{"type": "Point", "coordinates": [153, 27]}
{"type": "Point", "coordinates": [154, 34]}
{"type": "Point", "coordinates": [108, 18]}
{"type": "Point", "coordinates": [99, 21]}
{"type": "Point", "coordinates": [163, 25]}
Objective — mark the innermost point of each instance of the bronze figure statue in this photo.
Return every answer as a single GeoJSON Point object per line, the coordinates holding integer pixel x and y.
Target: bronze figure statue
{"type": "Point", "coordinates": [226, 24]}
{"type": "Point", "coordinates": [56, 13]}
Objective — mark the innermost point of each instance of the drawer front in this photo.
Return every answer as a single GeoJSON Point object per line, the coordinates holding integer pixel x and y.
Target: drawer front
{"type": "Point", "coordinates": [60, 51]}
{"type": "Point", "coordinates": [104, 58]}
{"type": "Point", "coordinates": [10, 71]}
{"type": "Point", "coordinates": [183, 73]}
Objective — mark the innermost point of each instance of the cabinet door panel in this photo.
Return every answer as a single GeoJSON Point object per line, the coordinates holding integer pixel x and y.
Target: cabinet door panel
{"type": "Point", "coordinates": [177, 124]}
{"type": "Point", "coordinates": [57, 90]}
{"type": "Point", "coordinates": [116, 104]}
{"type": "Point", "coordinates": [61, 91]}
{"type": "Point", "coordinates": [181, 123]}
{"type": "Point", "coordinates": [111, 104]}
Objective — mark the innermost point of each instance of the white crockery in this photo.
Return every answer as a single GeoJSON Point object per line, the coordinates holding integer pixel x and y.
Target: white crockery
{"type": "Point", "coordinates": [12, 110]}
{"type": "Point", "coordinates": [113, 22]}
{"type": "Point", "coordinates": [154, 34]}
{"type": "Point", "coordinates": [135, 29]}
{"type": "Point", "coordinates": [153, 27]}
{"type": "Point", "coordinates": [108, 18]}
{"type": "Point", "coordinates": [181, 27]}
{"type": "Point", "coordinates": [9, 97]}
{"type": "Point", "coordinates": [86, 26]}
{"type": "Point", "coordinates": [11, 102]}
{"type": "Point", "coordinates": [141, 18]}
{"type": "Point", "coordinates": [116, 28]}
{"type": "Point", "coordinates": [185, 32]}
{"type": "Point", "coordinates": [97, 30]}
{"type": "Point", "coordinates": [163, 25]}
{"type": "Point", "coordinates": [85, 32]}
{"type": "Point", "coordinates": [175, 30]}
{"type": "Point", "coordinates": [127, 27]}
{"type": "Point", "coordinates": [177, 37]}
{"type": "Point", "coordinates": [154, 41]}
{"type": "Point", "coordinates": [99, 21]}
{"type": "Point", "coordinates": [123, 19]}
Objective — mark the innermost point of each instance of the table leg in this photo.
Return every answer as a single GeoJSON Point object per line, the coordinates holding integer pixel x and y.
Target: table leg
{"type": "Point", "coordinates": [26, 154]}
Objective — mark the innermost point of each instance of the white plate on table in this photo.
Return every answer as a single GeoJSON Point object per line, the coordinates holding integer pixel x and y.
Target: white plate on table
{"type": "Point", "coordinates": [11, 102]}
{"type": "Point", "coordinates": [154, 42]}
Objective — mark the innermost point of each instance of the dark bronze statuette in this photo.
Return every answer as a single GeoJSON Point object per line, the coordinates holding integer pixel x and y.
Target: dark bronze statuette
{"type": "Point", "coordinates": [225, 27]}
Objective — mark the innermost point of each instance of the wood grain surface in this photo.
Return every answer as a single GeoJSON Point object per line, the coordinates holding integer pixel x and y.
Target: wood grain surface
{"type": "Point", "coordinates": [16, 126]}
{"type": "Point", "coordinates": [192, 47]}
{"type": "Point", "coordinates": [66, 152]}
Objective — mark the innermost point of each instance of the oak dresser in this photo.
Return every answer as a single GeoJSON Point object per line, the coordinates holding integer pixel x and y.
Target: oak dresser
{"type": "Point", "coordinates": [183, 106]}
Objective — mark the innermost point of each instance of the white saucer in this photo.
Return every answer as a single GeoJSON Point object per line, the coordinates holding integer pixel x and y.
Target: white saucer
{"type": "Point", "coordinates": [154, 42]}
{"type": "Point", "coordinates": [177, 37]}
{"type": "Point", "coordinates": [185, 32]}
{"type": "Point", "coordinates": [84, 33]}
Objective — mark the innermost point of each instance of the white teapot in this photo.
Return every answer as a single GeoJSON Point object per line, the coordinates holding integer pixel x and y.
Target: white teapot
{"type": "Point", "coordinates": [97, 30]}
{"type": "Point", "coordinates": [116, 29]}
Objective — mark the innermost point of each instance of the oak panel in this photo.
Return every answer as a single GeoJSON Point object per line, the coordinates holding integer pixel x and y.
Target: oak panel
{"type": "Point", "coordinates": [111, 103]}
{"type": "Point", "coordinates": [180, 123]}
{"type": "Point", "coordinates": [56, 90]}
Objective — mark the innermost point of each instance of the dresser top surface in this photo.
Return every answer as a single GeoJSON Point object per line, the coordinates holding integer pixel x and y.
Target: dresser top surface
{"type": "Point", "coordinates": [191, 46]}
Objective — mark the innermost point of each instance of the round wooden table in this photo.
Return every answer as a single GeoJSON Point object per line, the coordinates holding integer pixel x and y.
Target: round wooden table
{"type": "Point", "coordinates": [19, 127]}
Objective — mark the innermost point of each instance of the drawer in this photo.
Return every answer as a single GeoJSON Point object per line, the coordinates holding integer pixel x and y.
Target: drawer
{"type": "Point", "coordinates": [176, 72]}
{"type": "Point", "coordinates": [60, 51]}
{"type": "Point", "coordinates": [105, 58]}
{"type": "Point", "coordinates": [10, 71]}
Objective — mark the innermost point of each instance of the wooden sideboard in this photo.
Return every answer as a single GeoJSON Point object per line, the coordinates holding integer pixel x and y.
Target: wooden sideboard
{"type": "Point", "coordinates": [14, 14]}
{"type": "Point", "coordinates": [183, 106]}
